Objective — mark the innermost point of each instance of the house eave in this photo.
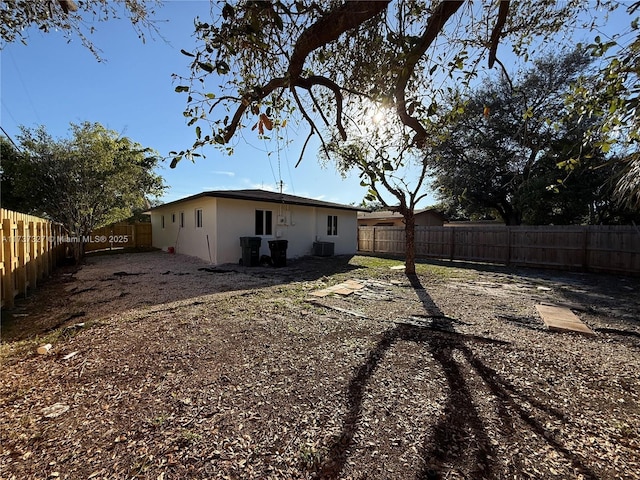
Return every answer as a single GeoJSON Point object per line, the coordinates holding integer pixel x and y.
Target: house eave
{"type": "Point", "coordinates": [261, 196]}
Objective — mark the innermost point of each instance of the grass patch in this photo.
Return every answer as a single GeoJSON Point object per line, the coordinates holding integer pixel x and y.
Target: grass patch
{"type": "Point", "coordinates": [375, 262]}
{"type": "Point", "coordinates": [423, 267]}
{"type": "Point", "coordinates": [23, 348]}
{"type": "Point", "coordinates": [19, 349]}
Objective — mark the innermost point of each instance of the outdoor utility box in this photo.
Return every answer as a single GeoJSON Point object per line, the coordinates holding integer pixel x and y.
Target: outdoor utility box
{"type": "Point", "coordinates": [250, 251]}
{"type": "Point", "coordinates": [323, 249]}
{"type": "Point", "coordinates": [278, 252]}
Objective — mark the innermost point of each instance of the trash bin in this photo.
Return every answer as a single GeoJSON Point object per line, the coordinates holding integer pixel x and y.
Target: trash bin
{"type": "Point", "coordinates": [278, 252]}
{"type": "Point", "coordinates": [250, 251]}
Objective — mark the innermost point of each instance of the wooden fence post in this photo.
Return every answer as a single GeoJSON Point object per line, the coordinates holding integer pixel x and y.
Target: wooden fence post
{"type": "Point", "coordinates": [10, 262]}
{"type": "Point", "coordinates": [508, 245]}
{"type": "Point", "coordinates": [452, 245]}
{"type": "Point", "coordinates": [22, 259]}
{"type": "Point", "coordinates": [585, 249]}
{"type": "Point", "coordinates": [32, 265]}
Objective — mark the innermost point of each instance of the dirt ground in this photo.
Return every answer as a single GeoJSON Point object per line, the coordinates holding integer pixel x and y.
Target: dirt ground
{"type": "Point", "coordinates": [165, 368]}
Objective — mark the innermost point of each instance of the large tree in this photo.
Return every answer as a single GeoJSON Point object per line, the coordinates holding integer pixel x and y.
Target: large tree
{"type": "Point", "coordinates": [307, 61]}
{"type": "Point", "coordinates": [389, 163]}
{"type": "Point", "coordinates": [502, 152]}
{"type": "Point", "coordinates": [93, 178]}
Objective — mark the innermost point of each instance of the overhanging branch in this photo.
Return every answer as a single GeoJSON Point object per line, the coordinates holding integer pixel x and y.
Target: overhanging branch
{"type": "Point", "coordinates": [325, 30]}
{"type": "Point", "coordinates": [349, 15]}
{"type": "Point", "coordinates": [434, 25]}
{"type": "Point", "coordinates": [307, 83]}
{"type": "Point", "coordinates": [503, 12]}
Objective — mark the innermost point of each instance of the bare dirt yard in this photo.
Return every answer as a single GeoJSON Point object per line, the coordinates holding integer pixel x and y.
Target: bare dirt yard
{"type": "Point", "coordinates": [164, 368]}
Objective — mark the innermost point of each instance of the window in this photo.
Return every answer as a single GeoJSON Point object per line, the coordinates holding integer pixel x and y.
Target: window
{"type": "Point", "coordinates": [181, 219]}
{"type": "Point", "coordinates": [198, 218]}
{"type": "Point", "coordinates": [173, 218]}
{"type": "Point", "coordinates": [263, 222]}
{"type": "Point", "coordinates": [332, 225]}
{"type": "Point", "coordinates": [162, 221]}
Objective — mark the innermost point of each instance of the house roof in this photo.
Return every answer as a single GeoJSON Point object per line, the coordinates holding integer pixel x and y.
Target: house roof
{"type": "Point", "coordinates": [263, 196]}
{"type": "Point", "coordinates": [391, 214]}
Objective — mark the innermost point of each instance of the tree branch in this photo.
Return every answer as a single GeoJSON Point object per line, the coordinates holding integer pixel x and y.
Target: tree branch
{"type": "Point", "coordinates": [307, 83]}
{"type": "Point", "coordinates": [304, 147]}
{"type": "Point", "coordinates": [434, 25]}
{"type": "Point", "coordinates": [503, 12]}
{"type": "Point", "coordinates": [349, 15]}
{"type": "Point", "coordinates": [259, 94]}
{"type": "Point", "coordinates": [310, 121]}
{"type": "Point", "coordinates": [328, 28]}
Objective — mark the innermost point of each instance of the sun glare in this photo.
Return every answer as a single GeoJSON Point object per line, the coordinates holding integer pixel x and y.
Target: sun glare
{"type": "Point", "coordinates": [378, 117]}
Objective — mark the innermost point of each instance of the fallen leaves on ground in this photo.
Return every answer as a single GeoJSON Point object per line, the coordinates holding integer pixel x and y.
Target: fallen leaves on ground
{"type": "Point", "coordinates": [179, 373]}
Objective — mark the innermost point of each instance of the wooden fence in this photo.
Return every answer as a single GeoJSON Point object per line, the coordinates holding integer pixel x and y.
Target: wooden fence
{"type": "Point", "coordinates": [607, 249]}
{"type": "Point", "coordinates": [120, 235]}
{"type": "Point", "coordinates": [31, 248]}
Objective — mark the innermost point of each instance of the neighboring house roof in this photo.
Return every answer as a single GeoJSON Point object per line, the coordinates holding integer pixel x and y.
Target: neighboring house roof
{"type": "Point", "coordinates": [263, 196]}
{"type": "Point", "coordinates": [392, 214]}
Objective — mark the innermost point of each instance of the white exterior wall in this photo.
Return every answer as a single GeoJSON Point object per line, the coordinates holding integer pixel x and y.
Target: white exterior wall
{"type": "Point", "coordinates": [188, 240]}
{"type": "Point", "coordinates": [236, 218]}
{"type": "Point", "coordinates": [226, 220]}
{"type": "Point", "coordinates": [346, 242]}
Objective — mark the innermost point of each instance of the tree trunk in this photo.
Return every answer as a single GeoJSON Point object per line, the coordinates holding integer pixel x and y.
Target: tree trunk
{"type": "Point", "coordinates": [78, 250]}
{"type": "Point", "coordinates": [410, 243]}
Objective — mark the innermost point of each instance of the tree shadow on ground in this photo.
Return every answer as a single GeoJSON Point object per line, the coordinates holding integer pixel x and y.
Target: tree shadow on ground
{"type": "Point", "coordinates": [459, 439]}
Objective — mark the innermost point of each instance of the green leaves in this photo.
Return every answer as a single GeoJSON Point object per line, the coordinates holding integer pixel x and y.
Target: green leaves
{"type": "Point", "coordinates": [206, 66]}
{"type": "Point", "coordinates": [181, 88]}
{"type": "Point", "coordinates": [222, 67]}
{"type": "Point", "coordinates": [93, 176]}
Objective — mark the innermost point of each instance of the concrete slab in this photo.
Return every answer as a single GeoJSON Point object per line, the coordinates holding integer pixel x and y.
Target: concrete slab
{"type": "Point", "coordinates": [561, 319]}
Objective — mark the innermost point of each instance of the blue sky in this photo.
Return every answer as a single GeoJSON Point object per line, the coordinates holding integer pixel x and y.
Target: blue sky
{"type": "Point", "coordinates": [52, 82]}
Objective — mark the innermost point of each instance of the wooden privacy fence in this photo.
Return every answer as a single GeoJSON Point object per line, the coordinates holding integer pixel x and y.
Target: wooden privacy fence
{"type": "Point", "coordinates": [607, 249]}
{"type": "Point", "coordinates": [31, 248]}
{"type": "Point", "coordinates": [119, 235]}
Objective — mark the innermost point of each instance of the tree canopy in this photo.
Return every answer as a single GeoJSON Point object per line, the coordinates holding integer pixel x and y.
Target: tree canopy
{"type": "Point", "coordinates": [502, 152]}
{"type": "Point", "coordinates": [291, 55]}
{"type": "Point", "coordinates": [72, 18]}
{"type": "Point", "coordinates": [93, 178]}
{"type": "Point", "coordinates": [307, 61]}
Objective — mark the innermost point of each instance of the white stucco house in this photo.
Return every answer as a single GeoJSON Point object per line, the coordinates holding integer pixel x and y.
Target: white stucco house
{"type": "Point", "coordinates": [209, 225]}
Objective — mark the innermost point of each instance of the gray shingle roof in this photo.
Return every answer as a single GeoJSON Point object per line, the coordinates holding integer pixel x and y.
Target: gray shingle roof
{"type": "Point", "coordinates": [264, 196]}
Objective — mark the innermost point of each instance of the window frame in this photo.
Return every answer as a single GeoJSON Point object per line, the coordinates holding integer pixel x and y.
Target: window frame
{"type": "Point", "coordinates": [199, 218]}
{"type": "Point", "coordinates": [263, 222]}
{"type": "Point", "coordinates": [332, 225]}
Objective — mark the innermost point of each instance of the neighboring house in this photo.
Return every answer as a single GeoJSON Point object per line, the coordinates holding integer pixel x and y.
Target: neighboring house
{"type": "Point", "coordinates": [388, 218]}
{"type": "Point", "coordinates": [209, 225]}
